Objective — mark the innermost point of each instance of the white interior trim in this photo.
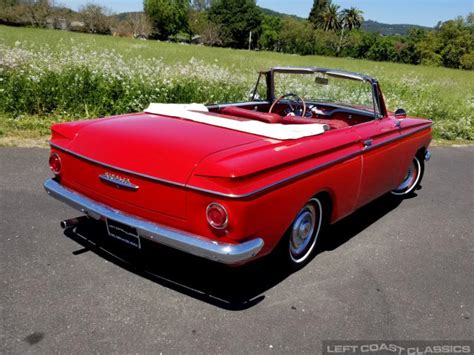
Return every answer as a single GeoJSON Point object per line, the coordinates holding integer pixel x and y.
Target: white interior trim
{"type": "Point", "coordinates": [196, 113]}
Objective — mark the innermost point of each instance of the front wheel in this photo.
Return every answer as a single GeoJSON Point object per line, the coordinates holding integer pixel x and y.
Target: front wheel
{"type": "Point", "coordinates": [302, 236]}
{"type": "Point", "coordinates": [412, 178]}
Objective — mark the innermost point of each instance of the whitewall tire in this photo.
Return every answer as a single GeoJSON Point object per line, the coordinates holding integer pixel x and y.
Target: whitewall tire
{"type": "Point", "coordinates": [412, 178]}
{"type": "Point", "coordinates": [303, 233]}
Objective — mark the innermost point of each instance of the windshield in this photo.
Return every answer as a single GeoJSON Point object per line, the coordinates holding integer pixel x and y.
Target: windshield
{"type": "Point", "coordinates": [326, 88]}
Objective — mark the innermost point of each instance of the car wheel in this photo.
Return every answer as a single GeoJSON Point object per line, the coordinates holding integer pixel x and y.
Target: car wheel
{"type": "Point", "coordinates": [412, 178]}
{"type": "Point", "coordinates": [303, 234]}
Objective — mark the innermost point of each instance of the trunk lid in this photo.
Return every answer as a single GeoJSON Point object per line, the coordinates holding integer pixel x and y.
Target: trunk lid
{"type": "Point", "coordinates": [156, 153]}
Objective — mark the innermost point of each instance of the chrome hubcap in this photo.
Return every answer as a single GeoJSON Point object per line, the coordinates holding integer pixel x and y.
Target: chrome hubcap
{"type": "Point", "coordinates": [410, 178]}
{"type": "Point", "coordinates": [302, 231]}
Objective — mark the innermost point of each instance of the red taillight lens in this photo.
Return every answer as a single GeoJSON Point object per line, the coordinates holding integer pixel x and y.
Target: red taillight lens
{"type": "Point", "coordinates": [217, 216]}
{"type": "Point", "coordinates": [55, 163]}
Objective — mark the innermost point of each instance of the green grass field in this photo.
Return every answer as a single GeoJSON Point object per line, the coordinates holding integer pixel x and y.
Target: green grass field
{"type": "Point", "coordinates": [48, 76]}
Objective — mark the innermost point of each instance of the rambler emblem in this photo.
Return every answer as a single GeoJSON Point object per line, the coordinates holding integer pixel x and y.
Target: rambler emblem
{"type": "Point", "coordinates": [118, 181]}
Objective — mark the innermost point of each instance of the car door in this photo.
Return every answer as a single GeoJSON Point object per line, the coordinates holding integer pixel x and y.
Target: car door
{"type": "Point", "coordinates": [381, 161]}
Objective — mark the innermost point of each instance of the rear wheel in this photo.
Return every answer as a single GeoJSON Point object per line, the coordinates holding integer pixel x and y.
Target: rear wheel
{"type": "Point", "coordinates": [412, 178]}
{"type": "Point", "coordinates": [302, 237]}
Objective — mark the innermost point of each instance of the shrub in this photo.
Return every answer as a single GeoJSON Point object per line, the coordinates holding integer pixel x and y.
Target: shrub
{"type": "Point", "coordinates": [78, 82]}
{"type": "Point", "coordinates": [467, 61]}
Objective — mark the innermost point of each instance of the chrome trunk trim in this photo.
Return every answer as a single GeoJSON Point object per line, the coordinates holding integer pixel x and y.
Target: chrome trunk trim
{"type": "Point", "coordinates": [225, 253]}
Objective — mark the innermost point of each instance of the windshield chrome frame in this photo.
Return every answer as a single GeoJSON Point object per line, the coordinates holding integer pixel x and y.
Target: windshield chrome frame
{"type": "Point", "coordinates": [378, 103]}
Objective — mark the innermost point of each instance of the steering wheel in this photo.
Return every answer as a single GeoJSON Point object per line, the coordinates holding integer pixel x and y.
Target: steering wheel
{"type": "Point", "coordinates": [297, 101]}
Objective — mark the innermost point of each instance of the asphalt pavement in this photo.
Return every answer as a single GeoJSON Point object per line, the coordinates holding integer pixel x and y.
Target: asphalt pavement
{"type": "Point", "coordinates": [391, 271]}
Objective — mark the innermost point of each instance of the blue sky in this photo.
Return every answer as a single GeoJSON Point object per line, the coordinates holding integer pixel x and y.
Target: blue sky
{"type": "Point", "coordinates": [420, 12]}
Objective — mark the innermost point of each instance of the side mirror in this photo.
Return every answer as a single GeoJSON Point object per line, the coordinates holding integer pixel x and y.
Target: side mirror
{"type": "Point", "coordinates": [400, 113]}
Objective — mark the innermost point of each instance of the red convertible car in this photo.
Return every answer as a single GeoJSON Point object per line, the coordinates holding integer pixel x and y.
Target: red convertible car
{"type": "Point", "coordinates": [234, 182]}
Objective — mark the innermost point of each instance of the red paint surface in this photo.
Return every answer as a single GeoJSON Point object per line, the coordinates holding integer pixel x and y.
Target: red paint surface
{"type": "Point", "coordinates": [191, 154]}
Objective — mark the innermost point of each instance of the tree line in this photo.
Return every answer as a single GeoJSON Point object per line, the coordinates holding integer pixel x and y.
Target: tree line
{"type": "Point", "coordinates": [328, 30]}
{"type": "Point", "coordinates": [90, 18]}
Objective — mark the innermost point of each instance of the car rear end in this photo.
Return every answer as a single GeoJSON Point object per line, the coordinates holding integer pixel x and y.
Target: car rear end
{"type": "Point", "coordinates": [136, 183]}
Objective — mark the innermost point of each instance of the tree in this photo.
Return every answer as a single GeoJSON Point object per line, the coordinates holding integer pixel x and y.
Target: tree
{"type": "Point", "coordinates": [271, 28]}
{"type": "Point", "coordinates": [167, 17]}
{"type": "Point", "coordinates": [211, 35]}
{"type": "Point", "coordinates": [409, 53]}
{"type": "Point", "coordinates": [325, 42]}
{"type": "Point", "coordinates": [352, 18]}
{"type": "Point", "coordinates": [198, 21]}
{"type": "Point", "coordinates": [37, 11]}
{"type": "Point", "coordinates": [209, 32]}
{"type": "Point", "coordinates": [447, 45]}
{"type": "Point", "coordinates": [429, 50]}
{"type": "Point", "coordinates": [382, 50]}
{"type": "Point", "coordinates": [96, 19]}
{"type": "Point", "coordinates": [331, 18]}
{"type": "Point", "coordinates": [297, 37]}
{"type": "Point", "coordinates": [12, 13]}
{"type": "Point", "coordinates": [470, 22]}
{"type": "Point", "coordinates": [364, 43]}
{"type": "Point", "coordinates": [135, 25]}
{"type": "Point", "coordinates": [237, 19]}
{"type": "Point", "coordinates": [457, 41]}
{"type": "Point", "coordinates": [316, 14]}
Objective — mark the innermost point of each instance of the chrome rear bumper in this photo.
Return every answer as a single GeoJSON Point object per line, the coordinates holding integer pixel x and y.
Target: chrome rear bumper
{"type": "Point", "coordinates": [190, 243]}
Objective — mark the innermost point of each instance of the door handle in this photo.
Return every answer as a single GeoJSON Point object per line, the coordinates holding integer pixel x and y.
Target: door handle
{"type": "Point", "coordinates": [368, 143]}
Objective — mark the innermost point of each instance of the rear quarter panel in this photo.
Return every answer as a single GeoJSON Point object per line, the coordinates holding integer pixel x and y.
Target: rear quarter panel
{"type": "Point", "coordinates": [268, 213]}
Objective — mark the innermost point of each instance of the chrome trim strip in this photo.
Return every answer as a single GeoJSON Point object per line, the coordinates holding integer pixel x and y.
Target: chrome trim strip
{"type": "Point", "coordinates": [310, 70]}
{"type": "Point", "coordinates": [309, 171]}
{"type": "Point", "coordinates": [399, 137]}
{"type": "Point", "coordinates": [263, 189]}
{"type": "Point", "coordinates": [286, 180]}
{"type": "Point", "coordinates": [225, 253]}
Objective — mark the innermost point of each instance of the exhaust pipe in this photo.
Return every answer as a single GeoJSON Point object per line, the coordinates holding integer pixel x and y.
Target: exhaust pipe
{"type": "Point", "coordinates": [71, 223]}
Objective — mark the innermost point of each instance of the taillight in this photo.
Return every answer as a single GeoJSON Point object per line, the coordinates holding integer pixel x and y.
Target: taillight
{"type": "Point", "coordinates": [217, 216]}
{"type": "Point", "coordinates": [55, 163]}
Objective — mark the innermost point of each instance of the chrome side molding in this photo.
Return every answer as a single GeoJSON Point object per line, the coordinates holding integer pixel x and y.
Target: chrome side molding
{"type": "Point", "coordinates": [257, 191]}
{"type": "Point", "coordinates": [225, 253]}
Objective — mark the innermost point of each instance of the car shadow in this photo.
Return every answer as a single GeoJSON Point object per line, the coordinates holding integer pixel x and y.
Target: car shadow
{"type": "Point", "coordinates": [347, 228]}
{"type": "Point", "coordinates": [219, 285]}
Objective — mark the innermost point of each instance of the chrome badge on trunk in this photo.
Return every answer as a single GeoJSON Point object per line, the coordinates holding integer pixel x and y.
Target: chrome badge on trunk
{"type": "Point", "coordinates": [118, 181]}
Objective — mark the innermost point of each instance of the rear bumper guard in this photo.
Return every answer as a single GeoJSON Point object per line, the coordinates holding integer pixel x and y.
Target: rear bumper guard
{"type": "Point", "coordinates": [225, 253]}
